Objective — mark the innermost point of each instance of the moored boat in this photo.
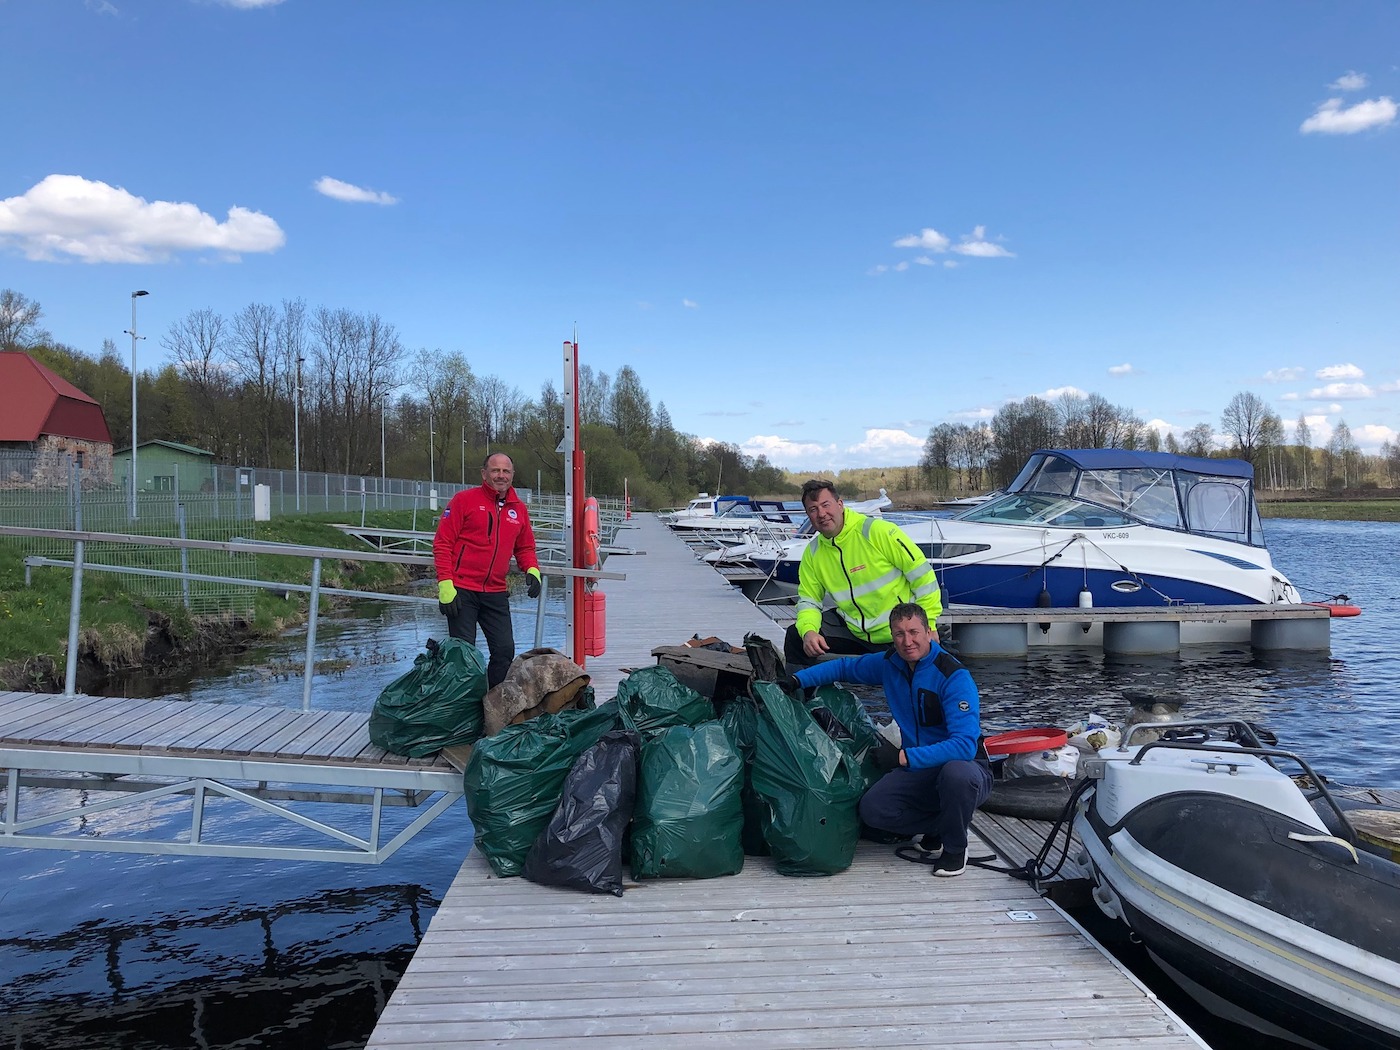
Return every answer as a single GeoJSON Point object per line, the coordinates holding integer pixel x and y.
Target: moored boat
{"type": "Point", "coordinates": [1253, 893]}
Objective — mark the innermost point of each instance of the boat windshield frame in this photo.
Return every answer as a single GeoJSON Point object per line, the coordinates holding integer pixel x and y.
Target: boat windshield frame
{"type": "Point", "coordinates": [1052, 490]}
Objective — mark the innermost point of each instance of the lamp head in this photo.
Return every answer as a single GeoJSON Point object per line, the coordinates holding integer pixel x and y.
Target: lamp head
{"type": "Point", "coordinates": [135, 294]}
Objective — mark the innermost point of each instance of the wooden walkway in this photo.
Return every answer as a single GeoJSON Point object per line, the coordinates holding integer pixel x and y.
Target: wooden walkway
{"type": "Point", "coordinates": [880, 955]}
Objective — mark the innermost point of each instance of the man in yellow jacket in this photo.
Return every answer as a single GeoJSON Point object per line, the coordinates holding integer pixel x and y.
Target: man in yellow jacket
{"type": "Point", "coordinates": [866, 566]}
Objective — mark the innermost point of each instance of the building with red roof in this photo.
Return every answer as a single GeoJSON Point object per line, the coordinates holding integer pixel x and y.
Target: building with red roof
{"type": "Point", "coordinates": [46, 423]}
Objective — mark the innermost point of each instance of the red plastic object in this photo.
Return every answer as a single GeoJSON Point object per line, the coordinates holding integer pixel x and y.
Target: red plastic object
{"type": "Point", "coordinates": [1044, 738]}
{"type": "Point", "coordinates": [595, 623]}
{"type": "Point", "coordinates": [1339, 610]}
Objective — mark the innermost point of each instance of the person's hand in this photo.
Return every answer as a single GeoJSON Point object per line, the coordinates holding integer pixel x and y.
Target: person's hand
{"type": "Point", "coordinates": [532, 582]}
{"type": "Point", "coordinates": [447, 597]}
{"type": "Point", "coordinates": [790, 685]}
{"type": "Point", "coordinates": [813, 644]}
{"type": "Point", "coordinates": [887, 756]}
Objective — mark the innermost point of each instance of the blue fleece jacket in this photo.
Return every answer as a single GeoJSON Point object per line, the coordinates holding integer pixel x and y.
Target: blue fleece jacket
{"type": "Point", "coordinates": [935, 703]}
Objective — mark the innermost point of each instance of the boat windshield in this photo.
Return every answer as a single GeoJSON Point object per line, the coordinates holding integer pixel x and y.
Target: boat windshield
{"type": "Point", "coordinates": [1052, 490]}
{"type": "Point", "coordinates": [1035, 508]}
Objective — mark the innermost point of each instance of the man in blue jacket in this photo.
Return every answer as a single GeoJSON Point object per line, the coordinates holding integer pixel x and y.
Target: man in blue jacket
{"type": "Point", "coordinates": [942, 775]}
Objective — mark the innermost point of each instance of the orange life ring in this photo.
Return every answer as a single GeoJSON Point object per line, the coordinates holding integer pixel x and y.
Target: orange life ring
{"type": "Point", "coordinates": [1337, 610]}
{"type": "Point", "coordinates": [591, 558]}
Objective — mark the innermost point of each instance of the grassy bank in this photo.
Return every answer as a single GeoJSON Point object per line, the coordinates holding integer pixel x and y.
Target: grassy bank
{"type": "Point", "coordinates": [121, 631]}
{"type": "Point", "coordinates": [1332, 510]}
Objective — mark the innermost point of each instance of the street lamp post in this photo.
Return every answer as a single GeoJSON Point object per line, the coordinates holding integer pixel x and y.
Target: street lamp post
{"type": "Point", "coordinates": [432, 478]}
{"type": "Point", "coordinates": [132, 332]}
{"type": "Point", "coordinates": [296, 431]}
{"type": "Point", "coordinates": [383, 471]}
{"type": "Point", "coordinates": [464, 455]}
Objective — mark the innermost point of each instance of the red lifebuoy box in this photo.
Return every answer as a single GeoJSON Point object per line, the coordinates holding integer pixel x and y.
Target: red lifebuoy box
{"type": "Point", "coordinates": [595, 623]}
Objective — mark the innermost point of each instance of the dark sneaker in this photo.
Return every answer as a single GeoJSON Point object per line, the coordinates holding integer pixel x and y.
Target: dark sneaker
{"type": "Point", "coordinates": [953, 862]}
{"type": "Point", "coordinates": [929, 846]}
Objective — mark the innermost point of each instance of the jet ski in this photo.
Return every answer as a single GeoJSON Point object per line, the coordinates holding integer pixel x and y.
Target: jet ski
{"type": "Point", "coordinates": [1240, 873]}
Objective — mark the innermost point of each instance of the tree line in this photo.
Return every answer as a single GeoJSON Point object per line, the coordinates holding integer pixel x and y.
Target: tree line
{"type": "Point", "coordinates": [248, 387]}
{"type": "Point", "coordinates": [982, 455]}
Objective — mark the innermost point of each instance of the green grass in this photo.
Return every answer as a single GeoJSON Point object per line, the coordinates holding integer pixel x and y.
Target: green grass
{"type": "Point", "coordinates": [34, 619]}
{"type": "Point", "coordinates": [1333, 510]}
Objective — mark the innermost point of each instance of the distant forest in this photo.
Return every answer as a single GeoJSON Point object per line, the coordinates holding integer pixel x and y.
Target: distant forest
{"type": "Point", "coordinates": [242, 386]}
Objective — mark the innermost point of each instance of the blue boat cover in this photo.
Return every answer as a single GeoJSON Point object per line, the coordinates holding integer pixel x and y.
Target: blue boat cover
{"type": "Point", "coordinates": [1119, 458]}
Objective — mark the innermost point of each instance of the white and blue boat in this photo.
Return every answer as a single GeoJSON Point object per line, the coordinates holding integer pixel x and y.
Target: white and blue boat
{"type": "Point", "coordinates": [1109, 528]}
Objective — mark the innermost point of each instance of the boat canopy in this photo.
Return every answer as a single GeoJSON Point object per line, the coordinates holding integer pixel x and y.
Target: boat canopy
{"type": "Point", "coordinates": [1107, 487]}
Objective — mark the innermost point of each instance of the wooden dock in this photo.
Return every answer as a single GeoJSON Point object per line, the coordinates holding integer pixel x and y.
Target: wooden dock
{"type": "Point", "coordinates": [880, 955]}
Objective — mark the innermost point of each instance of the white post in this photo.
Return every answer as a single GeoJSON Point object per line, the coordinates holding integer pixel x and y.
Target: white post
{"type": "Point", "coordinates": [134, 337]}
{"type": "Point", "coordinates": [296, 431]}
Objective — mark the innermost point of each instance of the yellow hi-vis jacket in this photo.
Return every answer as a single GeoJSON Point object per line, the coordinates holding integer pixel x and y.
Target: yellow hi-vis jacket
{"type": "Point", "coordinates": [869, 568]}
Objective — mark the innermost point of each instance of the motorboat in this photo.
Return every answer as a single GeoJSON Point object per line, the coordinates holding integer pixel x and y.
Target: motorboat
{"type": "Point", "coordinates": [790, 525]}
{"type": "Point", "coordinates": [1102, 527]}
{"type": "Point", "coordinates": [738, 518]}
{"type": "Point", "coordinates": [701, 507]}
{"type": "Point", "coordinates": [1246, 882]}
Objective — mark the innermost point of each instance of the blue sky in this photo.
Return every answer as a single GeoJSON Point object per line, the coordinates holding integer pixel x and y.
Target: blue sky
{"type": "Point", "coordinates": [814, 229]}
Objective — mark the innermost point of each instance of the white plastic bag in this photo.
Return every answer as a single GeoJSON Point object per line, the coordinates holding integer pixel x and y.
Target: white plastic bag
{"type": "Point", "coordinates": [1057, 762]}
{"type": "Point", "coordinates": [1095, 732]}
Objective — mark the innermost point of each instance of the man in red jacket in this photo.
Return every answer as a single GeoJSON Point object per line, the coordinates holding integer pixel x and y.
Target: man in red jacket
{"type": "Point", "coordinates": [476, 536]}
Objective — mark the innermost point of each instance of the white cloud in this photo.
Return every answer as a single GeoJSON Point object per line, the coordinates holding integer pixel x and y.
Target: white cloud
{"type": "Point", "coordinates": [1371, 436]}
{"type": "Point", "coordinates": [249, 5]}
{"type": "Point", "coordinates": [783, 452]}
{"type": "Point", "coordinates": [1342, 392]}
{"type": "Point", "coordinates": [1349, 81]}
{"type": "Point", "coordinates": [1389, 388]}
{"type": "Point", "coordinates": [1060, 391]}
{"type": "Point", "coordinates": [928, 238]}
{"type": "Point", "coordinates": [1290, 396]}
{"type": "Point", "coordinates": [900, 267]}
{"type": "Point", "coordinates": [1285, 375]}
{"type": "Point", "coordinates": [1347, 371]}
{"type": "Point", "coordinates": [67, 216]}
{"type": "Point", "coordinates": [690, 304]}
{"type": "Point", "coordinates": [101, 7]}
{"type": "Point", "coordinates": [1122, 370]}
{"type": "Point", "coordinates": [976, 244]}
{"type": "Point", "coordinates": [345, 191]}
{"type": "Point", "coordinates": [881, 442]}
{"type": "Point", "coordinates": [1332, 118]}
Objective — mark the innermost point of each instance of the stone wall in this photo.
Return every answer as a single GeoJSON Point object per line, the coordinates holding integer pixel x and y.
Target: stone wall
{"type": "Point", "coordinates": [43, 464]}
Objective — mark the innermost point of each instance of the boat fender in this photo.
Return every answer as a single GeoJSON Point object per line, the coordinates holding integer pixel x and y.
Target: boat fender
{"type": "Point", "coordinates": [1043, 601]}
{"type": "Point", "coordinates": [1086, 601]}
{"type": "Point", "coordinates": [1336, 610]}
{"type": "Point", "coordinates": [1299, 837]}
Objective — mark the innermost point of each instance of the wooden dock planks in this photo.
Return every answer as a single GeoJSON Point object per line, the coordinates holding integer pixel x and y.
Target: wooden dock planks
{"type": "Point", "coordinates": [881, 955]}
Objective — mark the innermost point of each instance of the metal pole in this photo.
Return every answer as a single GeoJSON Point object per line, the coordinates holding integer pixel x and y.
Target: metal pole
{"type": "Point", "coordinates": [312, 609]}
{"type": "Point", "coordinates": [184, 554]}
{"type": "Point", "coordinates": [383, 473]}
{"type": "Point", "coordinates": [296, 431]}
{"type": "Point", "coordinates": [134, 337]}
{"type": "Point", "coordinates": [75, 602]}
{"type": "Point", "coordinates": [539, 611]}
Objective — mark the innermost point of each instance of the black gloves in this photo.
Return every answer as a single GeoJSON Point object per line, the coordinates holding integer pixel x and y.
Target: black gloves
{"type": "Point", "coordinates": [790, 685]}
{"type": "Point", "coordinates": [447, 597]}
{"type": "Point", "coordinates": [532, 584]}
{"type": "Point", "coordinates": [886, 755]}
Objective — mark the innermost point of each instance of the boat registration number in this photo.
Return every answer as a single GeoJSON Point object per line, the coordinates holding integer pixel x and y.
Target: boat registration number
{"type": "Point", "coordinates": [1115, 535]}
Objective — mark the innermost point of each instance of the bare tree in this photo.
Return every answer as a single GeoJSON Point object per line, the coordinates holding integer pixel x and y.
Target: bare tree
{"type": "Point", "coordinates": [1198, 441]}
{"type": "Point", "coordinates": [198, 343]}
{"type": "Point", "coordinates": [1302, 437]}
{"type": "Point", "coordinates": [19, 320]}
{"type": "Point", "coordinates": [1242, 423]}
{"type": "Point", "coordinates": [252, 349]}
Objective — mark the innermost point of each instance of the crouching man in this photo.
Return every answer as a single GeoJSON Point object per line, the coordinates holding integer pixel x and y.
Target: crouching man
{"type": "Point", "coordinates": [942, 775]}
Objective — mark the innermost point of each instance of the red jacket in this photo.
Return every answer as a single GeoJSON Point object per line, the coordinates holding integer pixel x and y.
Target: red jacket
{"type": "Point", "coordinates": [477, 535]}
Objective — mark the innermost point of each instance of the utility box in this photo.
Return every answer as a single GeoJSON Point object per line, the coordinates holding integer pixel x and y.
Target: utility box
{"type": "Point", "coordinates": [595, 623]}
{"type": "Point", "coordinates": [262, 502]}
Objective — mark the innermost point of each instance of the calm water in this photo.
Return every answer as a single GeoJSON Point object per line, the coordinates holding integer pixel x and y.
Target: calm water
{"type": "Point", "coordinates": [146, 953]}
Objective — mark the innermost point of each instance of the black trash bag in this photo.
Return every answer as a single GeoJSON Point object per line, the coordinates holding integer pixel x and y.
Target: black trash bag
{"type": "Point", "coordinates": [763, 655]}
{"type": "Point", "coordinates": [740, 719]}
{"type": "Point", "coordinates": [689, 815]}
{"type": "Point", "coordinates": [513, 780]}
{"type": "Point", "coordinates": [653, 699]}
{"type": "Point", "coordinates": [810, 785]}
{"type": "Point", "coordinates": [581, 846]}
{"type": "Point", "coordinates": [845, 720]}
{"type": "Point", "coordinates": [433, 706]}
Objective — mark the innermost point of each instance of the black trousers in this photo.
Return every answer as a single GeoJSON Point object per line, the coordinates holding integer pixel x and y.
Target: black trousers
{"type": "Point", "coordinates": [938, 801]}
{"type": "Point", "coordinates": [839, 640]}
{"type": "Point", "coordinates": [492, 611]}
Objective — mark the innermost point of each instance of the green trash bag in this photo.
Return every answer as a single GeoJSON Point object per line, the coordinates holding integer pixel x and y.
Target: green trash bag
{"type": "Point", "coordinates": [433, 706]}
{"type": "Point", "coordinates": [740, 718]}
{"type": "Point", "coordinates": [844, 718]}
{"type": "Point", "coordinates": [514, 780]}
{"type": "Point", "coordinates": [688, 816]}
{"type": "Point", "coordinates": [810, 786]}
{"type": "Point", "coordinates": [653, 699]}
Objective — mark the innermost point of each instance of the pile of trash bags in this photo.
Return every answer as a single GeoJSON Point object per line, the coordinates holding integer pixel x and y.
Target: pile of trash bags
{"type": "Point", "coordinates": [665, 782]}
